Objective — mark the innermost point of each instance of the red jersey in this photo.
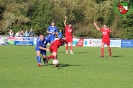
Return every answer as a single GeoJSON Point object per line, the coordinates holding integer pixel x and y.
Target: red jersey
{"type": "Point", "coordinates": [57, 43]}
{"type": "Point", "coordinates": [68, 31]}
{"type": "Point", "coordinates": [105, 33]}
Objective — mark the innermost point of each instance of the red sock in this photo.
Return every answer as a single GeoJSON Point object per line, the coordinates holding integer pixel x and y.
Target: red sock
{"type": "Point", "coordinates": [102, 51]}
{"type": "Point", "coordinates": [55, 57]}
{"type": "Point", "coordinates": [109, 50]}
{"type": "Point", "coordinates": [50, 57]}
{"type": "Point", "coordinates": [66, 47]}
{"type": "Point", "coordinates": [71, 47]}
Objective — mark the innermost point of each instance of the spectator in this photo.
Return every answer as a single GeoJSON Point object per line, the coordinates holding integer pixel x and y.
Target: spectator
{"type": "Point", "coordinates": [26, 34]}
{"type": "Point", "coordinates": [22, 33]}
{"type": "Point", "coordinates": [31, 33]}
{"type": "Point", "coordinates": [60, 35]}
{"type": "Point", "coordinates": [17, 34]}
{"type": "Point", "coordinates": [10, 33]}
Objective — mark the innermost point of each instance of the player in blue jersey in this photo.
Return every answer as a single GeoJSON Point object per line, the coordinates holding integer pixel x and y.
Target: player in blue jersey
{"type": "Point", "coordinates": [53, 31]}
{"type": "Point", "coordinates": [60, 35]}
{"type": "Point", "coordinates": [41, 44]}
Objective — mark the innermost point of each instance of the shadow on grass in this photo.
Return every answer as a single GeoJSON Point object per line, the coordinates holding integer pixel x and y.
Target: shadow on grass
{"type": "Point", "coordinates": [80, 52]}
{"type": "Point", "coordinates": [115, 56]}
{"type": "Point", "coordinates": [65, 65]}
{"type": "Point", "coordinates": [74, 52]}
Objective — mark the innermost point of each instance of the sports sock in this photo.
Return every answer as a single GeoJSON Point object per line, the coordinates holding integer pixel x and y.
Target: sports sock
{"type": "Point", "coordinates": [109, 50]}
{"type": "Point", "coordinates": [44, 59]}
{"type": "Point", "coordinates": [66, 47]}
{"type": "Point", "coordinates": [51, 57]}
{"type": "Point", "coordinates": [55, 57]}
{"type": "Point", "coordinates": [102, 51]}
{"type": "Point", "coordinates": [71, 48]}
{"type": "Point", "coordinates": [38, 59]}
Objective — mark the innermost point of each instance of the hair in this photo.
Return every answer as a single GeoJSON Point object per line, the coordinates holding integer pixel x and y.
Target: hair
{"type": "Point", "coordinates": [41, 34]}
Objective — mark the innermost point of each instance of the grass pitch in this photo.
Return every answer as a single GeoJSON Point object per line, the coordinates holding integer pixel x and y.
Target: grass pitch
{"type": "Point", "coordinates": [84, 69]}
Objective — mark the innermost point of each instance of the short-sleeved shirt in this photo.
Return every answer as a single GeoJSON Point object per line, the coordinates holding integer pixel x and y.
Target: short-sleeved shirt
{"type": "Point", "coordinates": [60, 35]}
{"type": "Point", "coordinates": [68, 31]}
{"type": "Point", "coordinates": [41, 43]}
{"type": "Point", "coordinates": [57, 43]}
{"type": "Point", "coordinates": [52, 29]}
{"type": "Point", "coordinates": [105, 33]}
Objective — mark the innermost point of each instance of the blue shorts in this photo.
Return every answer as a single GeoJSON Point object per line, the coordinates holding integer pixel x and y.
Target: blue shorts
{"type": "Point", "coordinates": [43, 52]}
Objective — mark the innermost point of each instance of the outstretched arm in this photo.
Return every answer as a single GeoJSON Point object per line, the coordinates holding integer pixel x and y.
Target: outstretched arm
{"type": "Point", "coordinates": [65, 21]}
{"type": "Point", "coordinates": [42, 48]}
{"type": "Point", "coordinates": [96, 26]}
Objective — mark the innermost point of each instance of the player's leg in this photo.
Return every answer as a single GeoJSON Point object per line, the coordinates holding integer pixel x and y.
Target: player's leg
{"type": "Point", "coordinates": [109, 49]}
{"type": "Point", "coordinates": [55, 55]}
{"type": "Point", "coordinates": [44, 56]}
{"type": "Point", "coordinates": [66, 45]}
{"type": "Point", "coordinates": [38, 58]}
{"type": "Point", "coordinates": [67, 48]}
{"type": "Point", "coordinates": [102, 50]}
{"type": "Point", "coordinates": [71, 46]}
{"type": "Point", "coordinates": [52, 49]}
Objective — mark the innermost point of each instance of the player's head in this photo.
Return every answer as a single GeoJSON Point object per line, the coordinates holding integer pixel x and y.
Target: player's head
{"type": "Point", "coordinates": [41, 36]}
{"type": "Point", "coordinates": [62, 41]}
{"type": "Point", "coordinates": [52, 23]}
{"type": "Point", "coordinates": [60, 30]}
{"type": "Point", "coordinates": [104, 26]}
{"type": "Point", "coordinates": [70, 25]}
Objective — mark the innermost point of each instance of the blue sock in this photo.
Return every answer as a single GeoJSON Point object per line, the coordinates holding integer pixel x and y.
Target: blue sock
{"type": "Point", "coordinates": [38, 59]}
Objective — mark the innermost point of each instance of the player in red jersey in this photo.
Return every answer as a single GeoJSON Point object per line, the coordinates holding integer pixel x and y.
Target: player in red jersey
{"type": "Point", "coordinates": [105, 39]}
{"type": "Point", "coordinates": [68, 36]}
{"type": "Point", "coordinates": [54, 48]}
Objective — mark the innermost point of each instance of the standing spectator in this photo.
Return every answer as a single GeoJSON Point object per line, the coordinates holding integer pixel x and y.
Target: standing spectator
{"type": "Point", "coordinates": [26, 34]}
{"type": "Point", "coordinates": [31, 33]}
{"type": "Point", "coordinates": [21, 33]}
{"type": "Point", "coordinates": [17, 34]}
{"type": "Point", "coordinates": [52, 31]}
{"type": "Point", "coordinates": [60, 35]}
{"type": "Point", "coordinates": [10, 33]}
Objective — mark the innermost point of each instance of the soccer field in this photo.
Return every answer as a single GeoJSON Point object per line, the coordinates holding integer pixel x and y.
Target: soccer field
{"type": "Point", "coordinates": [84, 69]}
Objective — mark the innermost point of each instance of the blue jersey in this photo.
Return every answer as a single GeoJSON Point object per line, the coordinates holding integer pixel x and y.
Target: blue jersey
{"type": "Point", "coordinates": [41, 43]}
{"type": "Point", "coordinates": [52, 29]}
{"type": "Point", "coordinates": [60, 35]}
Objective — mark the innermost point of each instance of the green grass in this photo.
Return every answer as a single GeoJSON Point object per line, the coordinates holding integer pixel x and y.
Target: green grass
{"type": "Point", "coordinates": [84, 69]}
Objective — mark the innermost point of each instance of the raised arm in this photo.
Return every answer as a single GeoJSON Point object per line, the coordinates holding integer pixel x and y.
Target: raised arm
{"type": "Point", "coordinates": [65, 21]}
{"type": "Point", "coordinates": [96, 26]}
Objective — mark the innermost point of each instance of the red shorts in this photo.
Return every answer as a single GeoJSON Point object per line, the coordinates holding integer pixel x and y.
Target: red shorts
{"type": "Point", "coordinates": [69, 39]}
{"type": "Point", "coordinates": [53, 48]}
{"type": "Point", "coordinates": [106, 42]}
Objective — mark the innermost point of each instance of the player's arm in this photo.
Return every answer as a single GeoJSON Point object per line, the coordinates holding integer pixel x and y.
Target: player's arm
{"type": "Point", "coordinates": [96, 26]}
{"type": "Point", "coordinates": [73, 35]}
{"type": "Point", "coordinates": [49, 31]}
{"type": "Point", "coordinates": [56, 31]}
{"type": "Point", "coordinates": [42, 48]}
{"type": "Point", "coordinates": [65, 21]}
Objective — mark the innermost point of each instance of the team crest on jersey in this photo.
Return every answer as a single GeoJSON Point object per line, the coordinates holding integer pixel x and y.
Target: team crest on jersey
{"type": "Point", "coordinates": [69, 30]}
{"type": "Point", "coordinates": [123, 7]}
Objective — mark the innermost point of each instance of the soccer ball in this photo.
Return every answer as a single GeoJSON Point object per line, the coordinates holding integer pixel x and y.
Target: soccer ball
{"type": "Point", "coordinates": [55, 61]}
